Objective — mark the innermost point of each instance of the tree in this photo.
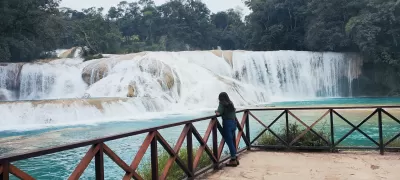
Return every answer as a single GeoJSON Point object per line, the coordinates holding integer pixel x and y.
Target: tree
{"type": "Point", "coordinates": [326, 21]}
{"type": "Point", "coordinates": [90, 29]}
{"type": "Point", "coordinates": [29, 29]}
{"type": "Point", "coordinates": [276, 24]}
{"type": "Point", "coordinates": [376, 31]}
{"type": "Point", "coordinates": [229, 29]}
{"type": "Point", "coordinates": [187, 23]}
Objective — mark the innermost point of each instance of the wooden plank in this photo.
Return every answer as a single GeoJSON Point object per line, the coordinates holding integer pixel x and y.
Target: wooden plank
{"type": "Point", "coordinates": [309, 128]}
{"type": "Point", "coordinates": [356, 127]}
{"type": "Point", "coordinates": [174, 157]}
{"type": "Point", "coordinates": [189, 148]}
{"type": "Point", "coordinates": [175, 152]}
{"type": "Point", "coordinates": [182, 138]}
{"type": "Point", "coordinates": [391, 116]}
{"type": "Point", "coordinates": [120, 162]}
{"type": "Point", "coordinates": [154, 158]}
{"type": "Point", "coordinates": [101, 140]}
{"type": "Point", "coordinates": [202, 142]}
{"type": "Point", "coordinates": [323, 108]}
{"type": "Point", "coordinates": [5, 175]}
{"type": "Point", "coordinates": [247, 126]}
{"type": "Point", "coordinates": [259, 121]}
{"type": "Point", "coordinates": [200, 151]}
{"type": "Point", "coordinates": [139, 155]}
{"type": "Point", "coordinates": [99, 163]}
{"type": "Point", "coordinates": [83, 164]}
{"type": "Point", "coordinates": [267, 128]}
{"type": "Point", "coordinates": [221, 148]}
{"type": "Point", "coordinates": [215, 142]}
{"type": "Point", "coordinates": [51, 150]}
{"type": "Point", "coordinates": [142, 150]}
{"type": "Point", "coordinates": [20, 174]}
{"type": "Point", "coordinates": [240, 133]}
{"type": "Point", "coordinates": [116, 159]}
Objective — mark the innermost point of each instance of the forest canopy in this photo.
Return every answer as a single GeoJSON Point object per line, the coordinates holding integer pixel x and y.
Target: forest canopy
{"type": "Point", "coordinates": [30, 28]}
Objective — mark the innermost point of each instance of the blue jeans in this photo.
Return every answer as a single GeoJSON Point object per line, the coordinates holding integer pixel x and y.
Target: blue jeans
{"type": "Point", "coordinates": [229, 127]}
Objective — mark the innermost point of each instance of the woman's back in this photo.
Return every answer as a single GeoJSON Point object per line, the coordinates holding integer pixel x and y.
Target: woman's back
{"type": "Point", "coordinates": [226, 108]}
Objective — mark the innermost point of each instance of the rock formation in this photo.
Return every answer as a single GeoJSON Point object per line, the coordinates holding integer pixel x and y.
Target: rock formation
{"type": "Point", "coordinates": [95, 72]}
{"type": "Point", "coordinates": [131, 91]}
{"type": "Point", "coordinates": [227, 55]}
{"type": "Point", "coordinates": [161, 71]}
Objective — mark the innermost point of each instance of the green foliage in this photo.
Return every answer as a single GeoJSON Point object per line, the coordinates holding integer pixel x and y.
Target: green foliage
{"type": "Point", "coordinates": [28, 28]}
{"type": "Point", "coordinates": [175, 171]}
{"type": "Point", "coordinates": [309, 139]}
{"type": "Point", "coordinates": [230, 29]}
{"type": "Point", "coordinates": [370, 27]}
{"type": "Point", "coordinates": [395, 143]}
{"type": "Point", "coordinates": [276, 25]}
{"type": "Point", "coordinates": [32, 29]}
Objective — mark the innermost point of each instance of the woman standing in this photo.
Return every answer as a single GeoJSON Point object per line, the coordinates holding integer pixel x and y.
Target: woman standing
{"type": "Point", "coordinates": [228, 113]}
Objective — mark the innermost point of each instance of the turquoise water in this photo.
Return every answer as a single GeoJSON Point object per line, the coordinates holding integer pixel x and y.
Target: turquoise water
{"type": "Point", "coordinates": [60, 165]}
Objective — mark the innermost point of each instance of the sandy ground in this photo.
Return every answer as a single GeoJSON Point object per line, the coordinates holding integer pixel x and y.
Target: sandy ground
{"type": "Point", "coordinates": [318, 166]}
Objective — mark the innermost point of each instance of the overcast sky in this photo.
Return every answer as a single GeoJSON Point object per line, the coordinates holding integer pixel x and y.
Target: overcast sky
{"type": "Point", "coordinates": [213, 5]}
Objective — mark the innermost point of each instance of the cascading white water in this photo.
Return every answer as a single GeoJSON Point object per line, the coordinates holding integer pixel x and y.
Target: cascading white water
{"type": "Point", "coordinates": [294, 75]}
{"type": "Point", "coordinates": [173, 81]}
{"type": "Point", "coordinates": [9, 74]}
{"type": "Point", "coordinates": [59, 79]}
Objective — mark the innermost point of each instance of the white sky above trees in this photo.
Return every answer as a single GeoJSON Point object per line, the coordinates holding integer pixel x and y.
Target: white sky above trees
{"type": "Point", "coordinates": [213, 5]}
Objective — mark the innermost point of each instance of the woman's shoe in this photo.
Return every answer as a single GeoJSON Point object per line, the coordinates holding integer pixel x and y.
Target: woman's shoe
{"type": "Point", "coordinates": [232, 163]}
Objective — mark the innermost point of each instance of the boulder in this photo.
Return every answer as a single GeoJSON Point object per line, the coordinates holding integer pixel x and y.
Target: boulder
{"type": "Point", "coordinates": [131, 91]}
{"type": "Point", "coordinates": [95, 72]}
{"type": "Point", "coordinates": [99, 68]}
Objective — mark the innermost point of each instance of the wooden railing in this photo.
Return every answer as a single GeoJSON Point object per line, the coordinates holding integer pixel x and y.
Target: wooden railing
{"type": "Point", "coordinates": [98, 147]}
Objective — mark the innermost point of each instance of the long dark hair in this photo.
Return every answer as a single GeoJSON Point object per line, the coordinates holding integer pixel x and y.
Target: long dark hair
{"type": "Point", "coordinates": [226, 102]}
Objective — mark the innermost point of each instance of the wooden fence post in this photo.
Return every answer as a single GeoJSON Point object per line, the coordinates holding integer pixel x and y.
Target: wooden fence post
{"type": "Point", "coordinates": [248, 129]}
{"type": "Point", "coordinates": [99, 163]}
{"type": "Point", "coordinates": [381, 145]}
{"type": "Point", "coordinates": [189, 143]}
{"type": "Point", "coordinates": [215, 142]}
{"type": "Point", "coordinates": [154, 158]}
{"type": "Point", "coordinates": [332, 130]}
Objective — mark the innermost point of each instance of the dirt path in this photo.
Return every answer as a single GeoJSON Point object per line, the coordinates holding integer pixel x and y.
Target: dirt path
{"type": "Point", "coordinates": [319, 166]}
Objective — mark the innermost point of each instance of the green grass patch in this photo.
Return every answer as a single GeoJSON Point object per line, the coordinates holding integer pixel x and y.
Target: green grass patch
{"type": "Point", "coordinates": [175, 172]}
{"type": "Point", "coordinates": [395, 143]}
{"type": "Point", "coordinates": [309, 139]}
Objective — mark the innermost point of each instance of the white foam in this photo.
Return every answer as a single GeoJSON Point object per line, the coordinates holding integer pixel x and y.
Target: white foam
{"type": "Point", "coordinates": [197, 77]}
{"type": "Point", "coordinates": [51, 81]}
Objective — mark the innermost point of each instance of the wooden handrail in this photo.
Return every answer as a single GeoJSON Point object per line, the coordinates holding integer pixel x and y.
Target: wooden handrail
{"type": "Point", "coordinates": [99, 148]}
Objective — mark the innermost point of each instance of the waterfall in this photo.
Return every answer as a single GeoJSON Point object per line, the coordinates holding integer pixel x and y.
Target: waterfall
{"type": "Point", "coordinates": [168, 82]}
{"type": "Point", "coordinates": [295, 75]}
{"type": "Point", "coordinates": [9, 74]}
{"type": "Point", "coordinates": [51, 81]}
